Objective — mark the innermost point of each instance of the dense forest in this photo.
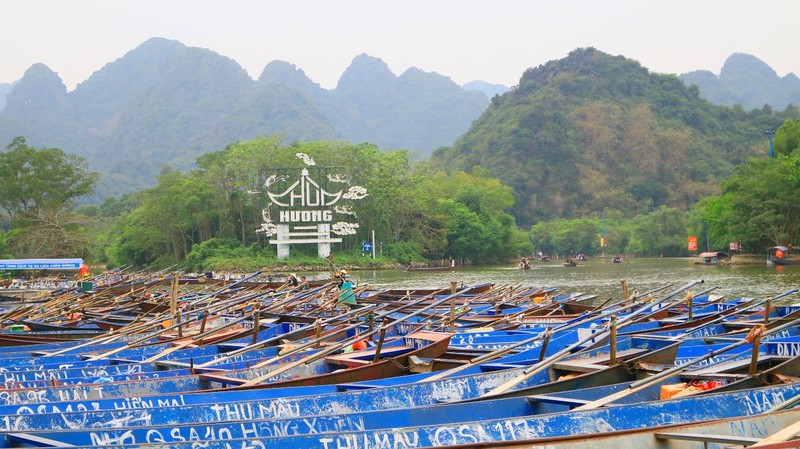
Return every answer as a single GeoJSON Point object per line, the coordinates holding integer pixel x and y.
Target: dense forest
{"type": "Point", "coordinates": [594, 132]}
{"type": "Point", "coordinates": [207, 218]}
{"type": "Point", "coordinates": [588, 146]}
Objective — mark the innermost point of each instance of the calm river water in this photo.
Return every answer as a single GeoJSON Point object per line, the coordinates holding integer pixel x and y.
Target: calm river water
{"type": "Point", "coordinates": [600, 277]}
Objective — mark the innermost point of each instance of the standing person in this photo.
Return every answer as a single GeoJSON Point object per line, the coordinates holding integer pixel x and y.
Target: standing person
{"type": "Point", "coordinates": [346, 295]}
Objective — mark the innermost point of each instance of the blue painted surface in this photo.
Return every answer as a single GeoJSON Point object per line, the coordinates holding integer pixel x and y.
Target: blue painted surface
{"type": "Point", "coordinates": [40, 264]}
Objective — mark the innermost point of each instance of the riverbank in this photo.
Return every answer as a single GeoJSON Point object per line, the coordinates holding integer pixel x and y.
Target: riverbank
{"type": "Point", "coordinates": [745, 259]}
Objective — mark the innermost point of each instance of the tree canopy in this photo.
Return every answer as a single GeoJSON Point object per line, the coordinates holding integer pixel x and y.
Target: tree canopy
{"type": "Point", "coordinates": [417, 211]}
{"type": "Point", "coordinates": [40, 191]}
{"type": "Point", "coordinates": [594, 131]}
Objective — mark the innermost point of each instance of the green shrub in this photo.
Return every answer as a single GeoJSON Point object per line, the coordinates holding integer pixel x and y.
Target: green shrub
{"type": "Point", "coordinates": [404, 252]}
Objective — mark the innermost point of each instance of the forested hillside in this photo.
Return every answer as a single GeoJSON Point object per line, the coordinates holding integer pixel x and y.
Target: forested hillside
{"type": "Point", "coordinates": [166, 103]}
{"type": "Point", "coordinates": [592, 131]}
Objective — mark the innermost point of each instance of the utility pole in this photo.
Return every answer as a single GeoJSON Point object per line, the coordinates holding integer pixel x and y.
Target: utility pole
{"type": "Point", "coordinates": [770, 134]}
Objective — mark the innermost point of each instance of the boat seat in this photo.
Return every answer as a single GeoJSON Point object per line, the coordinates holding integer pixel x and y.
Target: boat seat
{"type": "Point", "coordinates": [353, 386]}
{"type": "Point", "coordinates": [225, 380]}
{"type": "Point", "coordinates": [729, 365]}
{"type": "Point", "coordinates": [495, 366]}
{"type": "Point", "coordinates": [580, 367]}
{"type": "Point", "coordinates": [592, 364]}
{"type": "Point", "coordinates": [723, 338]}
{"type": "Point", "coordinates": [570, 402]}
{"type": "Point", "coordinates": [713, 376]}
{"type": "Point", "coordinates": [172, 364]}
{"type": "Point", "coordinates": [34, 440]}
{"type": "Point", "coordinates": [366, 356]}
{"type": "Point", "coordinates": [707, 438]}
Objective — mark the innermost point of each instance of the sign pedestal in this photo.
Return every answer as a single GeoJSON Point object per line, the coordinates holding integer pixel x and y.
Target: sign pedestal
{"type": "Point", "coordinates": [283, 248]}
{"type": "Point", "coordinates": [324, 248]}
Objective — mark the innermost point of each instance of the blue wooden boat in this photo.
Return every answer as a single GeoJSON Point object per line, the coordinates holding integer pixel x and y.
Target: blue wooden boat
{"type": "Point", "coordinates": [519, 418]}
{"type": "Point", "coordinates": [182, 410]}
{"type": "Point", "coordinates": [281, 405]}
{"type": "Point", "coordinates": [310, 404]}
{"type": "Point", "coordinates": [392, 363]}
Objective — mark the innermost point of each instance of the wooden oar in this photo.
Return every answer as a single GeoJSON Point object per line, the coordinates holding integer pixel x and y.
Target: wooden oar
{"type": "Point", "coordinates": [313, 343]}
{"type": "Point", "coordinates": [547, 362]}
{"type": "Point", "coordinates": [152, 324]}
{"type": "Point", "coordinates": [751, 305]}
{"type": "Point", "coordinates": [287, 335]}
{"type": "Point", "coordinates": [338, 346]}
{"type": "Point", "coordinates": [642, 384]}
{"type": "Point", "coordinates": [785, 434]}
{"type": "Point", "coordinates": [192, 340]}
{"type": "Point", "coordinates": [375, 331]}
{"type": "Point", "coordinates": [609, 311]}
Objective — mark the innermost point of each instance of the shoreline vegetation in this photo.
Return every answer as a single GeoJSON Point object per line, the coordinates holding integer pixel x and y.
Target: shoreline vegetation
{"type": "Point", "coordinates": [736, 259]}
{"type": "Point", "coordinates": [745, 259]}
{"type": "Point", "coordinates": [358, 264]}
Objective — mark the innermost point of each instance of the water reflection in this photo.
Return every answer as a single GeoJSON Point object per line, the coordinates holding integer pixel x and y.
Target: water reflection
{"type": "Point", "coordinates": [603, 278]}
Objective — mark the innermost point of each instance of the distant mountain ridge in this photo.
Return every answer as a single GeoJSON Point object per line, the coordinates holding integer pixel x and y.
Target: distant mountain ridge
{"type": "Point", "coordinates": [582, 118]}
{"type": "Point", "coordinates": [487, 88]}
{"type": "Point", "coordinates": [747, 81]}
{"type": "Point", "coordinates": [5, 88]}
{"type": "Point", "coordinates": [166, 103]}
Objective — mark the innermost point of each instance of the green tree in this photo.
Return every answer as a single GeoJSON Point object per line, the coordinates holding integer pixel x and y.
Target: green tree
{"type": "Point", "coordinates": [40, 191]}
{"type": "Point", "coordinates": [40, 179]}
{"type": "Point", "coordinates": [787, 138]}
{"type": "Point", "coordinates": [660, 233]}
{"type": "Point", "coordinates": [760, 204]}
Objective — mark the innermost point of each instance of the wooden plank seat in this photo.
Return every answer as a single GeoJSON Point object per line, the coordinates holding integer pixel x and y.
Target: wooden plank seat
{"type": "Point", "coordinates": [225, 380]}
{"type": "Point", "coordinates": [354, 386]}
{"type": "Point", "coordinates": [571, 402]}
{"type": "Point", "coordinates": [707, 438]}
{"type": "Point", "coordinates": [17, 438]}
{"type": "Point", "coordinates": [591, 364]}
{"type": "Point", "coordinates": [731, 365]}
{"type": "Point", "coordinates": [366, 356]}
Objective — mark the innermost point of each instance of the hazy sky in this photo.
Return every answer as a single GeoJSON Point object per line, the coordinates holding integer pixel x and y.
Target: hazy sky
{"type": "Point", "coordinates": [466, 40]}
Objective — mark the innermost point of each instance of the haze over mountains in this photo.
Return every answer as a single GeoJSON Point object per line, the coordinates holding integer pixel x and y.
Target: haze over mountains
{"type": "Point", "coordinates": [747, 81]}
{"type": "Point", "coordinates": [166, 103]}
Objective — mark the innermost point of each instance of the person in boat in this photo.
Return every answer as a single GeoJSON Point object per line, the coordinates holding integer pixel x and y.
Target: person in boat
{"type": "Point", "coordinates": [303, 283]}
{"type": "Point", "coordinates": [346, 295]}
{"type": "Point", "coordinates": [292, 280]}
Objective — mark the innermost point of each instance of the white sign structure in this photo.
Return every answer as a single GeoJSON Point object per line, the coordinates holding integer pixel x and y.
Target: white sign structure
{"type": "Point", "coordinates": [303, 212]}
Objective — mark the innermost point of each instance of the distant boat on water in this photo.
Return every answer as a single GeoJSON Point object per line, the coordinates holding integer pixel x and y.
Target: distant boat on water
{"type": "Point", "coordinates": [781, 255]}
{"type": "Point", "coordinates": [445, 268]}
{"type": "Point", "coordinates": [711, 257]}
